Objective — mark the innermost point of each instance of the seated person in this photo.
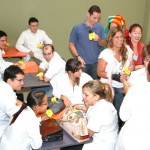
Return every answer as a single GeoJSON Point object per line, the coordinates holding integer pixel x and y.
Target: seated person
{"type": "Point", "coordinates": [101, 115]}
{"type": "Point", "coordinates": [23, 131]}
{"type": "Point", "coordinates": [69, 86]}
{"type": "Point", "coordinates": [13, 80]}
{"type": "Point", "coordinates": [139, 76]}
{"type": "Point", "coordinates": [3, 64]}
{"type": "Point", "coordinates": [31, 41]}
{"type": "Point", "coordinates": [51, 68]}
{"type": "Point", "coordinates": [135, 111]}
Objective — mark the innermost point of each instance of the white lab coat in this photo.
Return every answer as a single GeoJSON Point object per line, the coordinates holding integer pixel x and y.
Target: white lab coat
{"type": "Point", "coordinates": [64, 87]}
{"type": "Point", "coordinates": [55, 68]}
{"type": "Point", "coordinates": [29, 41]}
{"type": "Point", "coordinates": [3, 64]}
{"type": "Point", "coordinates": [23, 134]}
{"type": "Point", "coordinates": [102, 119]}
{"type": "Point", "coordinates": [135, 111]}
{"type": "Point", "coordinates": [138, 77]}
{"type": "Point", "coordinates": [7, 104]}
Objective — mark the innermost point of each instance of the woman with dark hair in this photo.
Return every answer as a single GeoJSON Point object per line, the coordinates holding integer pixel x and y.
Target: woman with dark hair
{"type": "Point", "coordinates": [133, 40]}
{"type": "Point", "coordinates": [112, 62]}
{"type": "Point", "coordinates": [23, 131]}
{"type": "Point", "coordinates": [69, 87]}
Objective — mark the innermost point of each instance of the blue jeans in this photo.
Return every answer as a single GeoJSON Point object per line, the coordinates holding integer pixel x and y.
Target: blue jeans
{"type": "Point", "coordinates": [91, 69]}
{"type": "Point", "coordinates": [118, 99]}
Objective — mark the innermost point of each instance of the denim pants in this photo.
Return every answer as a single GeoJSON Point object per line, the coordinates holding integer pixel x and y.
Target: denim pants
{"type": "Point", "coordinates": [117, 101]}
{"type": "Point", "coordinates": [91, 69]}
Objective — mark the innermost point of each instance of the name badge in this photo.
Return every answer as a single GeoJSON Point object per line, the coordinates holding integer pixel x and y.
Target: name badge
{"type": "Point", "coordinates": [135, 57]}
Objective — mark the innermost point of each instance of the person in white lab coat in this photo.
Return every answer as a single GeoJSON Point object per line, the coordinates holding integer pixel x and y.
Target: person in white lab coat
{"type": "Point", "coordinates": [13, 80]}
{"type": "Point", "coordinates": [23, 132]}
{"type": "Point", "coordinates": [101, 115]}
{"type": "Point", "coordinates": [69, 86]}
{"type": "Point", "coordinates": [3, 44]}
{"type": "Point", "coordinates": [135, 133]}
{"type": "Point", "coordinates": [31, 41]}
{"type": "Point", "coordinates": [52, 68]}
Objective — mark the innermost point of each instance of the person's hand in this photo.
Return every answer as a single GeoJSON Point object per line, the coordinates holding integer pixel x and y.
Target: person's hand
{"type": "Point", "coordinates": [81, 107]}
{"type": "Point", "coordinates": [18, 102]}
{"type": "Point", "coordinates": [82, 61]}
{"type": "Point", "coordinates": [31, 54]}
{"type": "Point", "coordinates": [96, 38]}
{"type": "Point", "coordinates": [66, 101]}
{"type": "Point", "coordinates": [126, 87]}
{"type": "Point", "coordinates": [41, 77]}
{"type": "Point", "coordinates": [123, 77]}
{"type": "Point", "coordinates": [44, 117]}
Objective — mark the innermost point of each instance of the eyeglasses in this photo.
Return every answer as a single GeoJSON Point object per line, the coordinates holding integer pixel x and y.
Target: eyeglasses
{"type": "Point", "coordinates": [20, 80]}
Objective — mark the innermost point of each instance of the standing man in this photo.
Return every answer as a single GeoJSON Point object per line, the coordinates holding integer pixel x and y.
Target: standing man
{"type": "Point", "coordinates": [3, 64]}
{"type": "Point", "coordinates": [86, 39]}
{"type": "Point", "coordinates": [31, 41]}
{"type": "Point", "coordinates": [13, 80]}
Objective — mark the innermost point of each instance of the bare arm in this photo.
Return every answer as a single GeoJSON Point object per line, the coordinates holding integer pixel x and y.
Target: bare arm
{"type": "Point", "coordinates": [101, 68]}
{"type": "Point", "coordinates": [66, 100]}
{"type": "Point", "coordinates": [91, 133]}
{"type": "Point", "coordinates": [75, 53]}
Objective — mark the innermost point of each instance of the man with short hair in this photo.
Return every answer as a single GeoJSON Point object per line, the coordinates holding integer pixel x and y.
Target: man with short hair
{"type": "Point", "coordinates": [3, 64]}
{"type": "Point", "coordinates": [52, 67]}
{"type": "Point", "coordinates": [13, 80]}
{"type": "Point", "coordinates": [86, 39]}
{"type": "Point", "coordinates": [31, 41]}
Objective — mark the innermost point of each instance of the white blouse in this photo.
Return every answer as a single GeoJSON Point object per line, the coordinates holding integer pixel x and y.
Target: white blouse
{"type": "Point", "coordinates": [113, 65]}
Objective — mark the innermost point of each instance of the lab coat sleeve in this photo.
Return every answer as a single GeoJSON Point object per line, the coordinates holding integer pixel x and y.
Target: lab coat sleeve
{"type": "Point", "coordinates": [35, 136]}
{"type": "Point", "coordinates": [20, 45]}
{"type": "Point", "coordinates": [126, 106]}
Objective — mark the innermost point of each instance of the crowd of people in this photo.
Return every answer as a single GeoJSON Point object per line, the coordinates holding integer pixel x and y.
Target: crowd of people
{"type": "Point", "coordinates": [109, 74]}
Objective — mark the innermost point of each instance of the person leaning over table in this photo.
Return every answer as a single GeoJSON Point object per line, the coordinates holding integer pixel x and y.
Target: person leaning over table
{"type": "Point", "coordinates": [112, 62]}
{"type": "Point", "coordinates": [69, 86]}
{"type": "Point", "coordinates": [31, 41]}
{"type": "Point", "coordinates": [135, 133]}
{"type": "Point", "coordinates": [101, 115]}
{"type": "Point", "coordinates": [51, 68]}
{"type": "Point", "coordinates": [4, 64]}
{"type": "Point", "coordinates": [86, 39]}
{"type": "Point", "coordinates": [13, 80]}
{"type": "Point", "coordinates": [23, 131]}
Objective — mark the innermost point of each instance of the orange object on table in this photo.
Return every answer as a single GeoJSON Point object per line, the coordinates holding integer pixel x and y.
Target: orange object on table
{"type": "Point", "coordinates": [30, 67]}
{"type": "Point", "coordinates": [58, 116]}
{"type": "Point", "coordinates": [13, 52]}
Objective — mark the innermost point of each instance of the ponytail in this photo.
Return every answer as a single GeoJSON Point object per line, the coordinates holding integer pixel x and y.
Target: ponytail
{"type": "Point", "coordinates": [15, 116]}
